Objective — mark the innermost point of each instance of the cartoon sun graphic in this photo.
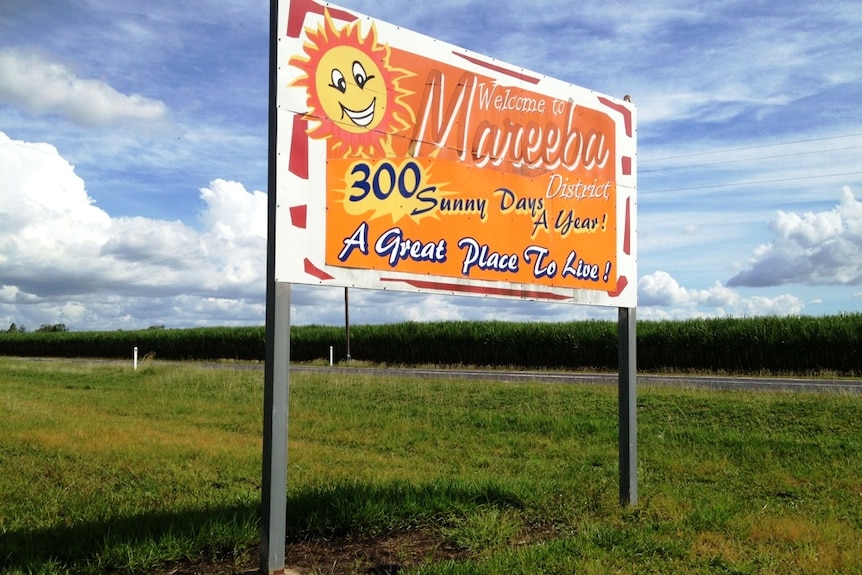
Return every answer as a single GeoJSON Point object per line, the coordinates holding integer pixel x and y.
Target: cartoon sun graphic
{"type": "Point", "coordinates": [354, 95]}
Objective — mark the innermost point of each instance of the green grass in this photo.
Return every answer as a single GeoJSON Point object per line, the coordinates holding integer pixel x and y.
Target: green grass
{"type": "Point", "coordinates": [106, 470]}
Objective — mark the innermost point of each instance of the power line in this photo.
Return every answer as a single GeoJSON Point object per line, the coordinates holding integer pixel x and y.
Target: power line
{"type": "Point", "coordinates": [760, 146]}
{"type": "Point", "coordinates": [748, 183]}
{"type": "Point", "coordinates": [777, 156]}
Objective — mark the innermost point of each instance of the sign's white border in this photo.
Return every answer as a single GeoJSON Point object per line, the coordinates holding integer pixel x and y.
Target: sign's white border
{"type": "Point", "coordinates": [301, 174]}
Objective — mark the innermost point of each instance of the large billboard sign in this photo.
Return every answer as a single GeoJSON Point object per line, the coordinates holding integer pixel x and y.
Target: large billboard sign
{"type": "Point", "coordinates": [407, 163]}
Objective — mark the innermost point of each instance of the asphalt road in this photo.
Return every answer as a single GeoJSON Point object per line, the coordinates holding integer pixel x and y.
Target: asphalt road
{"type": "Point", "coordinates": [837, 385]}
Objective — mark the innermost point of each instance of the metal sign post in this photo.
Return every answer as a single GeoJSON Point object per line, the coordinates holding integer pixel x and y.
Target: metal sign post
{"type": "Point", "coordinates": [347, 321]}
{"type": "Point", "coordinates": [276, 395]}
{"type": "Point", "coordinates": [277, 361]}
{"type": "Point", "coordinates": [628, 425]}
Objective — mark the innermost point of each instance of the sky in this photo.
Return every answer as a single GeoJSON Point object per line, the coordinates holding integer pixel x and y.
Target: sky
{"type": "Point", "coordinates": [133, 156]}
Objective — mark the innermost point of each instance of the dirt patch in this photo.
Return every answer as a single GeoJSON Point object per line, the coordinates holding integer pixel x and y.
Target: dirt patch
{"type": "Point", "coordinates": [380, 556]}
{"type": "Point", "coordinates": [387, 555]}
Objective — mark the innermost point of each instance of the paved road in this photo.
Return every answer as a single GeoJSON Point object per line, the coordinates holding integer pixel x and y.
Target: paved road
{"type": "Point", "coordinates": [843, 385]}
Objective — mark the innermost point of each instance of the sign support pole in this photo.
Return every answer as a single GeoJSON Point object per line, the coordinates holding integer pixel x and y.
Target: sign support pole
{"type": "Point", "coordinates": [347, 321]}
{"type": "Point", "coordinates": [628, 427]}
{"type": "Point", "coordinates": [277, 359]}
{"type": "Point", "coordinates": [276, 397]}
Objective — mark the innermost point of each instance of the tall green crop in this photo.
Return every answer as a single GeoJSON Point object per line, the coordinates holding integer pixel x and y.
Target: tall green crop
{"type": "Point", "coordinates": [787, 345]}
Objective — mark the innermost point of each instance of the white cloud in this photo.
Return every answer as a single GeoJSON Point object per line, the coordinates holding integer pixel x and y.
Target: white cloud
{"type": "Point", "coordinates": [812, 249]}
{"type": "Point", "coordinates": [62, 255]}
{"type": "Point", "coordinates": [232, 212]}
{"type": "Point", "coordinates": [660, 289]}
{"type": "Point", "coordinates": [40, 86]}
{"type": "Point", "coordinates": [784, 304]}
{"type": "Point", "coordinates": [42, 200]}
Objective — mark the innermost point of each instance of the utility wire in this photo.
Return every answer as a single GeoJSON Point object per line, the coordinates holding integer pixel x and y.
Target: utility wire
{"type": "Point", "coordinates": [713, 152]}
{"type": "Point", "coordinates": [748, 183]}
{"type": "Point", "coordinates": [736, 161]}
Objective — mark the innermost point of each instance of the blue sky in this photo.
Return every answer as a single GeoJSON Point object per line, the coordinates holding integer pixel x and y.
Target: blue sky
{"type": "Point", "coordinates": [133, 156]}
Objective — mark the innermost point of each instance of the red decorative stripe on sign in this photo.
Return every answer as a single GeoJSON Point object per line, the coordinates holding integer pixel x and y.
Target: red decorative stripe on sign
{"type": "Point", "coordinates": [500, 69]}
{"type": "Point", "coordinates": [627, 233]}
{"type": "Point", "coordinates": [627, 114]}
{"type": "Point", "coordinates": [298, 216]}
{"type": "Point", "coordinates": [299, 147]}
{"type": "Point", "coordinates": [299, 9]}
{"type": "Point", "coordinates": [445, 286]}
{"type": "Point", "coordinates": [311, 270]}
{"type": "Point", "coordinates": [627, 165]}
{"type": "Point", "coordinates": [622, 282]}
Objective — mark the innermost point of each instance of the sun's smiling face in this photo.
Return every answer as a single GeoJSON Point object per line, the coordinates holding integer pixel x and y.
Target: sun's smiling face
{"type": "Point", "coordinates": [350, 88]}
{"type": "Point", "coordinates": [353, 93]}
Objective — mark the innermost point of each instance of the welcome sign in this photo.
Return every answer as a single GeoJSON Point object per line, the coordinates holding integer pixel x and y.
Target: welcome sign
{"type": "Point", "coordinates": [410, 164]}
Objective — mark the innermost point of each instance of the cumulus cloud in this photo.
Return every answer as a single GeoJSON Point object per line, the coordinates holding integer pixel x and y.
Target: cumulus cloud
{"type": "Point", "coordinates": [660, 289]}
{"type": "Point", "coordinates": [63, 255]}
{"type": "Point", "coordinates": [39, 86]}
{"type": "Point", "coordinates": [812, 249]}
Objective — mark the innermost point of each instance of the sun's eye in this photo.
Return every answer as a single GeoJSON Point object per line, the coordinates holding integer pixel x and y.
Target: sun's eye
{"type": "Point", "coordinates": [360, 75]}
{"type": "Point", "coordinates": [338, 81]}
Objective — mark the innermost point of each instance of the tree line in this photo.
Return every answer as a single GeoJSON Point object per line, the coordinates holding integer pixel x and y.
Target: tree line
{"type": "Point", "coordinates": [44, 328]}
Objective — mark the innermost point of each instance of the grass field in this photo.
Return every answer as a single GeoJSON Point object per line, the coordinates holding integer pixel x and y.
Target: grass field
{"type": "Point", "coordinates": [106, 470]}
